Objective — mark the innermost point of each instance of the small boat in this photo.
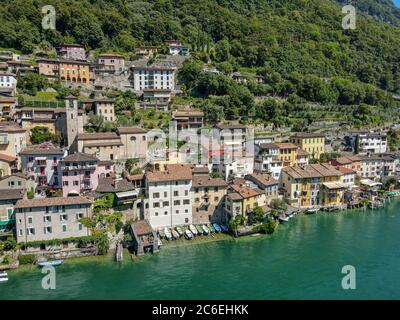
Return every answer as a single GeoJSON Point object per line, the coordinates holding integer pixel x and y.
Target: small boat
{"type": "Point", "coordinates": [161, 233]}
{"type": "Point", "coordinates": [212, 230]}
{"type": "Point", "coordinates": [224, 228]}
{"type": "Point", "coordinates": [312, 211]}
{"type": "Point", "coordinates": [159, 243]}
{"type": "Point", "coordinates": [193, 230]}
{"type": "Point", "coordinates": [283, 219]}
{"type": "Point", "coordinates": [168, 234]}
{"type": "Point", "coordinates": [179, 230]}
{"type": "Point", "coordinates": [199, 230]}
{"type": "Point", "coordinates": [188, 234]}
{"type": "Point", "coordinates": [175, 234]}
{"type": "Point", "coordinates": [55, 263]}
{"type": "Point", "coordinates": [206, 230]}
{"type": "Point", "coordinates": [217, 227]}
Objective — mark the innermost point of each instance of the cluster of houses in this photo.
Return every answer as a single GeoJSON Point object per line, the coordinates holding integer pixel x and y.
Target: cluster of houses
{"type": "Point", "coordinates": [46, 189]}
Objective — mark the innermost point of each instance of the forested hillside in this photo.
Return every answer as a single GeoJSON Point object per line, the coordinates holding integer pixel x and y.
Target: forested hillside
{"type": "Point", "coordinates": [298, 45]}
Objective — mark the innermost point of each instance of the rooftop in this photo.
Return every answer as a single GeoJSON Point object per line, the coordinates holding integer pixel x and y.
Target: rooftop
{"type": "Point", "coordinates": [308, 135]}
{"type": "Point", "coordinates": [79, 156]}
{"type": "Point", "coordinates": [287, 145]}
{"type": "Point", "coordinates": [204, 181]}
{"type": "Point", "coordinates": [7, 158]}
{"type": "Point", "coordinates": [188, 113]}
{"type": "Point", "coordinates": [56, 201]}
{"type": "Point", "coordinates": [173, 172]}
{"type": "Point", "coordinates": [141, 228]}
{"type": "Point", "coordinates": [261, 180]}
{"type": "Point", "coordinates": [246, 192]}
{"type": "Point", "coordinates": [98, 136]}
{"type": "Point", "coordinates": [131, 130]}
{"type": "Point", "coordinates": [41, 149]}
{"type": "Point", "coordinates": [312, 171]}
{"type": "Point", "coordinates": [12, 194]}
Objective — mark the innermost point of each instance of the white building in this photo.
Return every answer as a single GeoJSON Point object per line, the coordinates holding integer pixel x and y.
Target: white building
{"type": "Point", "coordinates": [8, 80]}
{"type": "Point", "coordinates": [369, 143]}
{"type": "Point", "coordinates": [170, 196]}
{"type": "Point", "coordinates": [378, 166]}
{"type": "Point", "coordinates": [267, 159]}
{"type": "Point", "coordinates": [159, 78]}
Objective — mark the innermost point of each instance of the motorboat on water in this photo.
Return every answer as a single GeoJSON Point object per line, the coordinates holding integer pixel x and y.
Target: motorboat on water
{"type": "Point", "coordinates": [224, 228]}
{"type": "Point", "coordinates": [193, 230]}
{"type": "Point", "coordinates": [168, 234]}
{"type": "Point", "coordinates": [199, 229]}
{"type": "Point", "coordinates": [161, 233]}
{"type": "Point", "coordinates": [54, 263]}
{"type": "Point", "coordinates": [179, 230]}
{"type": "Point", "coordinates": [283, 219]}
{"type": "Point", "coordinates": [188, 234]}
{"type": "Point", "coordinates": [212, 229]}
{"type": "Point", "coordinates": [312, 211]}
{"type": "Point", "coordinates": [206, 230]}
{"type": "Point", "coordinates": [175, 234]}
{"type": "Point", "coordinates": [217, 227]}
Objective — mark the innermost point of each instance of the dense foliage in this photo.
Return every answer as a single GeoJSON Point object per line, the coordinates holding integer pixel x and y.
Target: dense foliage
{"type": "Point", "coordinates": [299, 46]}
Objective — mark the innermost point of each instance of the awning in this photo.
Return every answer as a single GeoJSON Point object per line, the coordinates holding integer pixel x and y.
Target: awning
{"type": "Point", "coordinates": [334, 185]}
{"type": "Point", "coordinates": [73, 192]}
{"type": "Point", "coordinates": [126, 194]}
{"type": "Point", "coordinates": [370, 183]}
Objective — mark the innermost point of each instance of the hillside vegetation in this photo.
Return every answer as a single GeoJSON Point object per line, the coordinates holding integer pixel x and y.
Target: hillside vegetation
{"type": "Point", "coordinates": [311, 64]}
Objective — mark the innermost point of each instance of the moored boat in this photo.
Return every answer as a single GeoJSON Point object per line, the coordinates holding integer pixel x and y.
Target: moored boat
{"type": "Point", "coordinates": [193, 230]}
{"type": "Point", "coordinates": [168, 234]}
{"type": "Point", "coordinates": [161, 233]}
{"type": "Point", "coordinates": [210, 226]}
{"type": "Point", "coordinates": [175, 234]}
{"type": "Point", "coordinates": [224, 228]}
{"type": "Point", "coordinates": [188, 234]}
{"type": "Point", "coordinates": [217, 227]}
{"type": "Point", "coordinates": [206, 230]}
{"type": "Point", "coordinates": [199, 229]}
{"type": "Point", "coordinates": [311, 211]}
{"type": "Point", "coordinates": [283, 219]}
{"type": "Point", "coordinates": [55, 263]}
{"type": "Point", "coordinates": [159, 243]}
{"type": "Point", "coordinates": [179, 230]}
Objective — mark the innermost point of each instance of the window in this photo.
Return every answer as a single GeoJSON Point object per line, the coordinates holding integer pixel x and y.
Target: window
{"type": "Point", "coordinates": [176, 193]}
{"type": "Point", "coordinates": [187, 201]}
{"type": "Point", "coordinates": [156, 214]}
{"type": "Point", "coordinates": [20, 232]}
{"type": "Point", "coordinates": [63, 217]}
{"type": "Point", "coordinates": [165, 194]}
{"type": "Point", "coordinates": [65, 183]}
{"type": "Point", "coordinates": [76, 183]}
{"type": "Point", "coordinates": [156, 205]}
{"type": "Point", "coordinates": [30, 231]}
{"type": "Point", "coordinates": [156, 195]}
{"type": "Point", "coordinates": [64, 228]}
{"type": "Point", "coordinates": [47, 219]}
{"type": "Point", "coordinates": [177, 211]}
{"type": "Point", "coordinates": [186, 192]}
{"type": "Point", "coordinates": [80, 227]}
{"type": "Point", "coordinates": [30, 220]}
{"type": "Point", "coordinates": [186, 211]}
{"type": "Point", "coordinates": [197, 200]}
{"type": "Point", "coordinates": [165, 203]}
{"type": "Point", "coordinates": [177, 202]}
{"type": "Point", "coordinates": [216, 199]}
{"type": "Point", "coordinates": [79, 215]}
{"type": "Point", "coordinates": [48, 230]}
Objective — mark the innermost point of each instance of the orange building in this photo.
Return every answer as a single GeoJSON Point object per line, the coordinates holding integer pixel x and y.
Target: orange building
{"type": "Point", "coordinates": [66, 70]}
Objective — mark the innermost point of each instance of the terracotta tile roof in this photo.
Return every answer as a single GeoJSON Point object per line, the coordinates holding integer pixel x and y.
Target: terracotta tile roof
{"type": "Point", "coordinates": [79, 156]}
{"type": "Point", "coordinates": [98, 136]}
{"type": "Point", "coordinates": [136, 177]}
{"type": "Point", "coordinates": [345, 170]}
{"type": "Point", "coordinates": [42, 149]}
{"type": "Point", "coordinates": [204, 181]}
{"type": "Point", "coordinates": [131, 130]}
{"type": "Point", "coordinates": [109, 184]}
{"type": "Point", "coordinates": [173, 172]}
{"type": "Point", "coordinates": [312, 171]}
{"type": "Point", "coordinates": [262, 180]}
{"type": "Point", "coordinates": [268, 146]}
{"type": "Point", "coordinates": [12, 194]}
{"type": "Point", "coordinates": [7, 158]}
{"type": "Point", "coordinates": [301, 152]}
{"type": "Point", "coordinates": [103, 144]}
{"type": "Point", "coordinates": [246, 192]}
{"type": "Point", "coordinates": [12, 129]}
{"type": "Point", "coordinates": [19, 175]}
{"type": "Point", "coordinates": [200, 170]}
{"type": "Point", "coordinates": [230, 126]}
{"type": "Point", "coordinates": [7, 99]}
{"type": "Point", "coordinates": [56, 201]}
{"type": "Point", "coordinates": [141, 227]}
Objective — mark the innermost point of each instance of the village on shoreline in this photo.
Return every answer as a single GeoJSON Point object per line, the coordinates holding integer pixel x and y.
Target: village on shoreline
{"type": "Point", "coordinates": [67, 190]}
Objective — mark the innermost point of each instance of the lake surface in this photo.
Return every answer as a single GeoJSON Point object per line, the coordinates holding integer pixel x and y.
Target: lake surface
{"type": "Point", "coordinates": [302, 260]}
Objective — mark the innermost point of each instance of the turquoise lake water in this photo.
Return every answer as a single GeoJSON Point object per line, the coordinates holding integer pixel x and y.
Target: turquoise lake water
{"type": "Point", "coordinates": [302, 260]}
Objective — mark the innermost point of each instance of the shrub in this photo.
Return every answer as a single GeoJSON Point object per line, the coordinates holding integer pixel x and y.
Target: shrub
{"type": "Point", "coordinates": [27, 259]}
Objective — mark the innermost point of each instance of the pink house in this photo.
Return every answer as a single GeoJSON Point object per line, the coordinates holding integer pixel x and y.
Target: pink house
{"type": "Point", "coordinates": [81, 173]}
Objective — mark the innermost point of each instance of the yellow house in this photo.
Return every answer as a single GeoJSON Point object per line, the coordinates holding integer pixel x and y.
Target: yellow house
{"type": "Point", "coordinates": [313, 185]}
{"type": "Point", "coordinates": [242, 200]}
{"type": "Point", "coordinates": [313, 143]}
{"type": "Point", "coordinates": [287, 154]}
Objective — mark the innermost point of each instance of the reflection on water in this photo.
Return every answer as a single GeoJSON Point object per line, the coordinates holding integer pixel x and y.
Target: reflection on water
{"type": "Point", "coordinates": [302, 260]}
